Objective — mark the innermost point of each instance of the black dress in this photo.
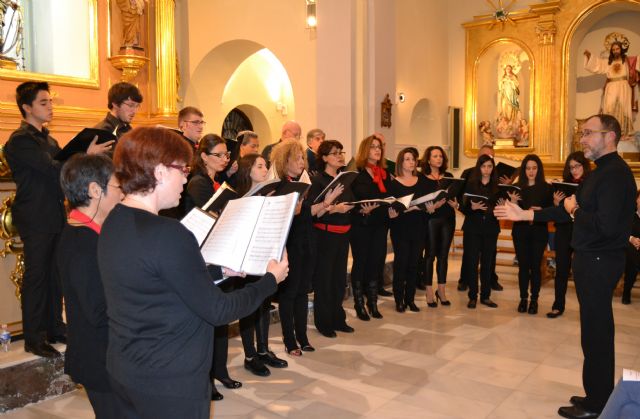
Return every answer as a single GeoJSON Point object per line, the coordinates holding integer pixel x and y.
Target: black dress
{"type": "Point", "coordinates": [408, 232]}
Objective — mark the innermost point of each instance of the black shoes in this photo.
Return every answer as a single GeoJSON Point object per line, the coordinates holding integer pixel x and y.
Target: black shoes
{"type": "Point", "coordinates": [272, 360]}
{"type": "Point", "coordinates": [373, 310]}
{"type": "Point", "coordinates": [443, 302]}
{"type": "Point", "coordinates": [533, 307]}
{"type": "Point", "coordinates": [413, 307]}
{"type": "Point", "coordinates": [331, 334]}
{"type": "Point", "coordinates": [496, 286]}
{"type": "Point", "coordinates": [576, 412]}
{"type": "Point", "coordinates": [384, 293]}
{"type": "Point", "coordinates": [487, 302]}
{"type": "Point", "coordinates": [256, 367]}
{"type": "Point", "coordinates": [345, 328]}
{"type": "Point", "coordinates": [432, 304]}
{"type": "Point", "coordinates": [626, 299]}
{"type": "Point", "coordinates": [307, 347]}
{"type": "Point", "coordinates": [577, 400]}
{"type": "Point", "coordinates": [229, 383]}
{"type": "Point", "coordinates": [362, 313]}
{"type": "Point", "coordinates": [522, 307]}
{"type": "Point", "coordinates": [462, 286]}
{"type": "Point", "coordinates": [554, 313]}
{"type": "Point", "coordinates": [42, 349]}
{"type": "Point", "coordinates": [472, 303]}
{"type": "Point", "coordinates": [400, 307]}
{"type": "Point", "coordinates": [215, 395]}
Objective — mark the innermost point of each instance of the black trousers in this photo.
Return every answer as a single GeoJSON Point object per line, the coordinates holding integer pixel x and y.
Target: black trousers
{"type": "Point", "coordinates": [41, 288]}
{"type": "Point", "coordinates": [369, 250]}
{"type": "Point", "coordinates": [257, 323]}
{"type": "Point", "coordinates": [406, 254]}
{"type": "Point", "coordinates": [132, 403]}
{"type": "Point", "coordinates": [330, 280]}
{"type": "Point", "coordinates": [293, 301]}
{"type": "Point", "coordinates": [632, 265]}
{"type": "Point", "coordinates": [596, 276]}
{"type": "Point", "coordinates": [479, 248]}
{"type": "Point", "coordinates": [529, 245]}
{"type": "Point", "coordinates": [564, 251]}
{"type": "Point", "coordinates": [220, 352]}
{"type": "Point", "coordinates": [439, 236]}
{"type": "Point", "coordinates": [104, 404]}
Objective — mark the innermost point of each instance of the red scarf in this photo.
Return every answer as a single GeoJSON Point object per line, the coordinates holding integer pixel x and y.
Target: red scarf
{"type": "Point", "coordinates": [81, 218]}
{"type": "Point", "coordinates": [216, 185]}
{"type": "Point", "coordinates": [379, 175]}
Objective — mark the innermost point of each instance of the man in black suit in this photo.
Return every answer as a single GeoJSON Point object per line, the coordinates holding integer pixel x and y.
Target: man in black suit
{"type": "Point", "coordinates": [38, 214]}
{"type": "Point", "coordinates": [290, 129]}
{"type": "Point", "coordinates": [315, 137]}
{"type": "Point", "coordinates": [124, 101]}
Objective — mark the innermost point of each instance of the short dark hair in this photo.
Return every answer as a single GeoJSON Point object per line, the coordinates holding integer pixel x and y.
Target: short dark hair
{"type": "Point", "coordinates": [140, 150]}
{"type": "Point", "coordinates": [313, 133]}
{"type": "Point", "coordinates": [426, 169]}
{"type": "Point", "coordinates": [122, 91]}
{"type": "Point", "coordinates": [522, 173]}
{"type": "Point", "coordinates": [609, 123]}
{"type": "Point", "coordinates": [79, 171]}
{"type": "Point", "coordinates": [188, 110]}
{"type": "Point", "coordinates": [323, 150]}
{"type": "Point", "coordinates": [243, 137]}
{"type": "Point", "coordinates": [580, 158]}
{"type": "Point", "coordinates": [414, 152]}
{"type": "Point", "coordinates": [26, 93]}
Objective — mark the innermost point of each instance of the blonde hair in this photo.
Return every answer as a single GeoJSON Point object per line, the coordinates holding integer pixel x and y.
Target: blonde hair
{"type": "Point", "coordinates": [362, 156]}
{"type": "Point", "coordinates": [284, 151]}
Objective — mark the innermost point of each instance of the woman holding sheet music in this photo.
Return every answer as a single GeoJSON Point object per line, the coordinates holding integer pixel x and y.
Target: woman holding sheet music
{"type": "Point", "coordinates": [369, 226]}
{"type": "Point", "coordinates": [576, 169]}
{"type": "Point", "coordinates": [289, 162]}
{"type": "Point", "coordinates": [162, 301]}
{"type": "Point", "coordinates": [530, 238]}
{"type": "Point", "coordinates": [441, 223]}
{"type": "Point", "coordinates": [252, 170]}
{"type": "Point", "coordinates": [211, 160]}
{"type": "Point", "coordinates": [408, 230]}
{"type": "Point", "coordinates": [480, 230]}
{"type": "Point", "coordinates": [331, 230]}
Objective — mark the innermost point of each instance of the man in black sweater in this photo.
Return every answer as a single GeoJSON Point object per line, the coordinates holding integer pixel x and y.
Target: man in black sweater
{"type": "Point", "coordinates": [124, 101]}
{"type": "Point", "coordinates": [602, 211]}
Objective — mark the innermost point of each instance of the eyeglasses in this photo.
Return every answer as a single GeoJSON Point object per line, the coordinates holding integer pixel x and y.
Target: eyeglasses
{"type": "Point", "coordinates": [183, 168]}
{"type": "Point", "coordinates": [375, 147]}
{"type": "Point", "coordinates": [132, 105]}
{"type": "Point", "coordinates": [197, 122]}
{"type": "Point", "coordinates": [337, 153]}
{"type": "Point", "coordinates": [114, 186]}
{"type": "Point", "coordinates": [588, 132]}
{"type": "Point", "coordinates": [221, 155]}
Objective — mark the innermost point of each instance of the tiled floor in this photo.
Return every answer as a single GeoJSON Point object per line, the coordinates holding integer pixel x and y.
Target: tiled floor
{"type": "Point", "coordinates": [448, 362]}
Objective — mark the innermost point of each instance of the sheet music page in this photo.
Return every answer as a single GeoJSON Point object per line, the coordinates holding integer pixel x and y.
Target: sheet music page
{"type": "Point", "coordinates": [304, 177]}
{"type": "Point", "coordinates": [426, 198]}
{"type": "Point", "coordinates": [270, 233]}
{"type": "Point", "coordinates": [216, 195]}
{"type": "Point", "coordinates": [199, 223]}
{"type": "Point", "coordinates": [630, 375]}
{"type": "Point", "coordinates": [405, 200]}
{"type": "Point", "coordinates": [227, 243]}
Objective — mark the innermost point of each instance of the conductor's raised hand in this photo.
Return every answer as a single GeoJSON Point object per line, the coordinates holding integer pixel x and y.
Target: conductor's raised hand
{"type": "Point", "coordinates": [279, 270]}
{"type": "Point", "coordinates": [509, 211]}
{"type": "Point", "coordinates": [95, 148]}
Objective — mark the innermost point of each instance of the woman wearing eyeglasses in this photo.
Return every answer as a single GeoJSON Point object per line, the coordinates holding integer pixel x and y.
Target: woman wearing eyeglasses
{"type": "Point", "coordinates": [331, 229]}
{"type": "Point", "coordinates": [161, 299]}
{"type": "Point", "coordinates": [209, 163]}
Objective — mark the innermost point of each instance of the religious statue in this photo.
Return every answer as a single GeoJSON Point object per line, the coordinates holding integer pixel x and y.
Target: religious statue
{"type": "Point", "coordinates": [523, 134]}
{"type": "Point", "coordinates": [618, 95]}
{"type": "Point", "coordinates": [131, 12]}
{"type": "Point", "coordinates": [486, 134]}
{"type": "Point", "coordinates": [509, 92]}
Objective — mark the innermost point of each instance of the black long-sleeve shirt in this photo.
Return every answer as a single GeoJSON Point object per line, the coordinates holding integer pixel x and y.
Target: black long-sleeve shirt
{"type": "Point", "coordinates": [479, 221]}
{"type": "Point", "coordinates": [162, 304]}
{"type": "Point", "coordinates": [445, 211]}
{"type": "Point", "coordinates": [607, 202]}
{"type": "Point", "coordinates": [318, 184]}
{"type": "Point", "coordinates": [363, 188]}
{"type": "Point", "coordinates": [412, 224]}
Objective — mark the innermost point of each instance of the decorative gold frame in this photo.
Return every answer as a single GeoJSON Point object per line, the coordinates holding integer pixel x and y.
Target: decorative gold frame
{"type": "Point", "coordinates": [471, 111]}
{"type": "Point", "coordinates": [92, 82]}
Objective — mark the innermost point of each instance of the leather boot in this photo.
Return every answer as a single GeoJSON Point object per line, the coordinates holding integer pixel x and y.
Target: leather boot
{"type": "Point", "coordinates": [372, 300]}
{"type": "Point", "coordinates": [358, 299]}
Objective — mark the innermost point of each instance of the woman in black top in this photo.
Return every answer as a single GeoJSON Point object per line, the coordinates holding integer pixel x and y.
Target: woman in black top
{"type": "Point", "coordinates": [92, 191]}
{"type": "Point", "coordinates": [530, 238]}
{"type": "Point", "coordinates": [288, 160]}
{"type": "Point", "coordinates": [441, 223]}
{"type": "Point", "coordinates": [632, 264]}
{"type": "Point", "coordinates": [211, 160]}
{"type": "Point", "coordinates": [480, 230]}
{"type": "Point", "coordinates": [369, 226]}
{"type": "Point", "coordinates": [331, 230]}
{"type": "Point", "coordinates": [576, 169]}
{"type": "Point", "coordinates": [162, 302]}
{"type": "Point", "coordinates": [252, 169]}
{"type": "Point", "coordinates": [408, 230]}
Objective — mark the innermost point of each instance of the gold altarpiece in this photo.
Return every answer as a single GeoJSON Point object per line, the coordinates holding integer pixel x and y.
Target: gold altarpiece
{"type": "Point", "coordinates": [547, 35]}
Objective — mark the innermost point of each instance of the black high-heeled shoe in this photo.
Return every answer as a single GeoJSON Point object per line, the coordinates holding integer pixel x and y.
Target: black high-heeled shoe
{"type": "Point", "coordinates": [230, 383]}
{"type": "Point", "coordinates": [443, 302]}
{"type": "Point", "coordinates": [362, 313]}
{"type": "Point", "coordinates": [432, 304]}
{"type": "Point", "coordinates": [413, 307]}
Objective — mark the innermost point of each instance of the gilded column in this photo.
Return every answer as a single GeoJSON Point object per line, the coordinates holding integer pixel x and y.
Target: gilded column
{"type": "Point", "coordinates": [166, 85]}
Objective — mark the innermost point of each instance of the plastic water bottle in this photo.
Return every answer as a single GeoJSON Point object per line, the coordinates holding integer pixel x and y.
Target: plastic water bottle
{"type": "Point", "coordinates": [5, 338]}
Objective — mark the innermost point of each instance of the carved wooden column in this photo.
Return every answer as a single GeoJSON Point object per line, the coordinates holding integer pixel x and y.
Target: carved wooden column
{"type": "Point", "coordinates": [545, 128]}
{"type": "Point", "coordinates": [167, 89]}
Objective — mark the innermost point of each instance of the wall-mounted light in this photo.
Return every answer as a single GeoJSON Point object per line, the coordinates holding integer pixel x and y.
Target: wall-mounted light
{"type": "Point", "coordinates": [312, 21]}
{"type": "Point", "coordinates": [282, 108]}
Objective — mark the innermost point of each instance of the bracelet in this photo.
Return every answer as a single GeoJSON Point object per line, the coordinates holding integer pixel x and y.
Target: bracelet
{"type": "Point", "coordinates": [572, 214]}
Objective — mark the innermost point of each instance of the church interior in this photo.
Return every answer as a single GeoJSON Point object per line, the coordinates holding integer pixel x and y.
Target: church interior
{"type": "Point", "coordinates": [420, 72]}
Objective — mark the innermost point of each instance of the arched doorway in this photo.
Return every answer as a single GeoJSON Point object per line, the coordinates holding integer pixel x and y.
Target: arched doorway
{"type": "Point", "coordinates": [235, 122]}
